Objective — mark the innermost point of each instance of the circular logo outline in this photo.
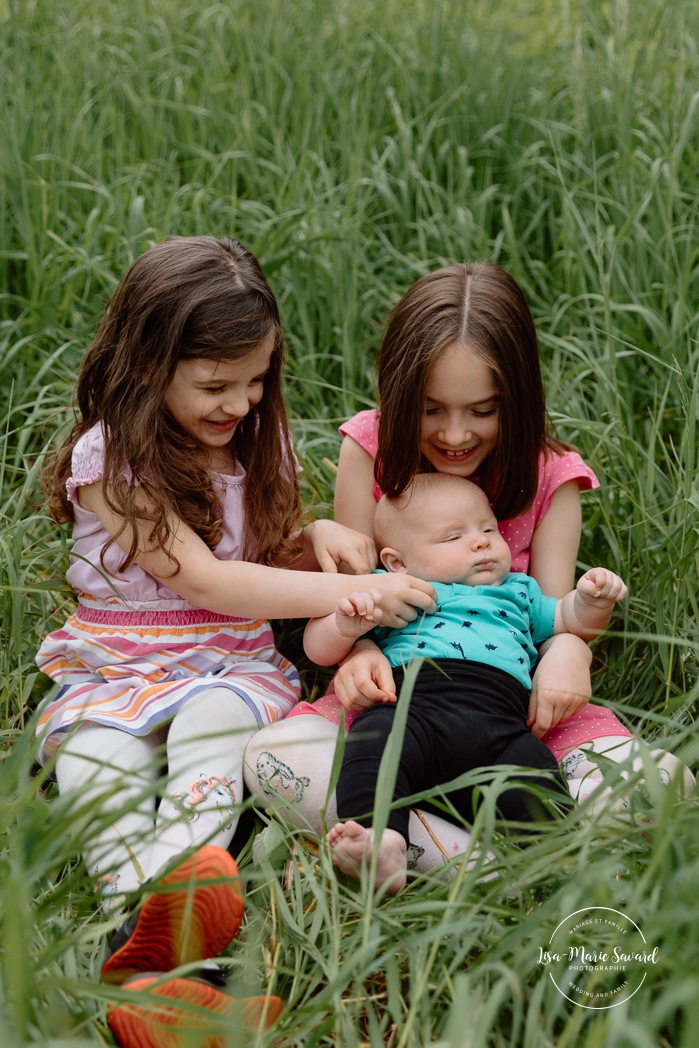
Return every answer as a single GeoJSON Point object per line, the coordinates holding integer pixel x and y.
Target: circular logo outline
{"type": "Point", "coordinates": [598, 1007]}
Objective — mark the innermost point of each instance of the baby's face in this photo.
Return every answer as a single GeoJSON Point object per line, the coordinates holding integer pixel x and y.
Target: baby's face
{"type": "Point", "coordinates": [456, 539]}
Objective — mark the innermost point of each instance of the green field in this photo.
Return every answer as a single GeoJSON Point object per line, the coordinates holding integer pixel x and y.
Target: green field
{"type": "Point", "coordinates": [353, 146]}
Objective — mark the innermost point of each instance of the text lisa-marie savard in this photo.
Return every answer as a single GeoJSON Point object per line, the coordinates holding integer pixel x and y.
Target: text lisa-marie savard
{"type": "Point", "coordinates": [598, 957]}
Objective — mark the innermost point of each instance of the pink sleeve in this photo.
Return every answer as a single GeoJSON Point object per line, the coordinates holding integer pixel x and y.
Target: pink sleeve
{"type": "Point", "coordinates": [364, 428]}
{"type": "Point", "coordinates": [87, 462]}
{"type": "Point", "coordinates": [556, 470]}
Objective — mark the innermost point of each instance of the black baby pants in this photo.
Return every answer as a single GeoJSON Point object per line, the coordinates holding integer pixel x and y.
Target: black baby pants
{"type": "Point", "coordinates": [463, 715]}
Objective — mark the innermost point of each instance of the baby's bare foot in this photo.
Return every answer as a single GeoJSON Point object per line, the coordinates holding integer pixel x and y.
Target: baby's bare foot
{"type": "Point", "coordinates": [353, 845]}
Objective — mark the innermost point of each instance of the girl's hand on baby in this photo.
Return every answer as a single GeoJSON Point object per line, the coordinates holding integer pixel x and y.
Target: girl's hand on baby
{"type": "Point", "coordinates": [358, 613]}
{"type": "Point", "coordinates": [561, 683]}
{"type": "Point", "coordinates": [364, 678]}
{"type": "Point", "coordinates": [338, 548]}
{"type": "Point", "coordinates": [601, 587]}
{"type": "Point", "coordinates": [403, 598]}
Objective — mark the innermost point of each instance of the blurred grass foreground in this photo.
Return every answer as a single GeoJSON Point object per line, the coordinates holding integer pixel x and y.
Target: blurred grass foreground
{"type": "Point", "coordinates": [353, 146]}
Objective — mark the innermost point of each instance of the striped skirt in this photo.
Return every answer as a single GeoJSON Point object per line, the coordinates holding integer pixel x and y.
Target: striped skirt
{"type": "Point", "coordinates": [134, 669]}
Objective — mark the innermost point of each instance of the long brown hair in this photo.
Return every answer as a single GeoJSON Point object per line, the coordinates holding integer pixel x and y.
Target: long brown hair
{"type": "Point", "coordinates": [189, 297]}
{"type": "Point", "coordinates": [480, 306]}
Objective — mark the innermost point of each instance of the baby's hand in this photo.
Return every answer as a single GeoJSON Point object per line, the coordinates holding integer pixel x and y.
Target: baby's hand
{"type": "Point", "coordinates": [358, 613]}
{"type": "Point", "coordinates": [601, 588]}
{"type": "Point", "coordinates": [364, 678]}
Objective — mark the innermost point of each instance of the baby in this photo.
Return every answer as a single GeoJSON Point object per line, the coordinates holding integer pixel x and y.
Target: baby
{"type": "Point", "coordinates": [468, 707]}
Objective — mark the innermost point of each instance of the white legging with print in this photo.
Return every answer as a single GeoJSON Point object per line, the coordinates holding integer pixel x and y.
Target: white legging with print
{"type": "Point", "coordinates": [114, 780]}
{"type": "Point", "coordinates": [288, 767]}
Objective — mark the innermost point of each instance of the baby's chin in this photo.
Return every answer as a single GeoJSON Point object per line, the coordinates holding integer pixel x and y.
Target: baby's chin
{"type": "Point", "coordinates": [481, 578]}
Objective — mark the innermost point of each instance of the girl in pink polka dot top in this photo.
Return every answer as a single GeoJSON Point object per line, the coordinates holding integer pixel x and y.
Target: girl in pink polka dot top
{"type": "Point", "coordinates": [460, 392]}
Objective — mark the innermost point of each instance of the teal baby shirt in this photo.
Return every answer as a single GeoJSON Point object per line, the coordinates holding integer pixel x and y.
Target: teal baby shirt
{"type": "Point", "coordinates": [498, 625]}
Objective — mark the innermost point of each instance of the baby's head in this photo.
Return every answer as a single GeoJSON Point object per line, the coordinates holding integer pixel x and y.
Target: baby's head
{"type": "Point", "coordinates": [442, 529]}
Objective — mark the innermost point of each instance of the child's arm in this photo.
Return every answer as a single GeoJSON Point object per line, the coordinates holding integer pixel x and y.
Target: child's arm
{"type": "Point", "coordinates": [368, 678]}
{"type": "Point", "coordinates": [587, 609]}
{"type": "Point", "coordinates": [235, 587]}
{"type": "Point", "coordinates": [354, 487]}
{"type": "Point", "coordinates": [561, 683]}
{"type": "Point", "coordinates": [329, 639]}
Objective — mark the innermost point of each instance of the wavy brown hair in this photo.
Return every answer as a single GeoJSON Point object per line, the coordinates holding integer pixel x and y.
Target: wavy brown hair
{"type": "Point", "coordinates": [187, 298]}
{"type": "Point", "coordinates": [480, 306]}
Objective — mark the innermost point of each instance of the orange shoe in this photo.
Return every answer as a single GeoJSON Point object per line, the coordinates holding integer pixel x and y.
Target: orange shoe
{"type": "Point", "coordinates": [192, 913]}
{"type": "Point", "coordinates": [186, 1013]}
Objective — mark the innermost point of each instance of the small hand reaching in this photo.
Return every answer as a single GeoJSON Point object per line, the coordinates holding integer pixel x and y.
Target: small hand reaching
{"type": "Point", "coordinates": [601, 588]}
{"type": "Point", "coordinates": [587, 609]}
{"type": "Point", "coordinates": [358, 613]}
{"type": "Point", "coordinates": [392, 599]}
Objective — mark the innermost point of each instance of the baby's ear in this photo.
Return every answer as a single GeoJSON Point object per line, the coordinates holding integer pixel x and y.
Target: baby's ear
{"type": "Point", "coordinates": [392, 560]}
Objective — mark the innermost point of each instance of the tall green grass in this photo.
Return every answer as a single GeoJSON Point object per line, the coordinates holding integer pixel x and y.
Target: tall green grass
{"type": "Point", "coordinates": [353, 147]}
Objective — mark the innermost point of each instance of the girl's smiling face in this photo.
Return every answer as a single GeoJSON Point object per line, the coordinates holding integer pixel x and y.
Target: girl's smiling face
{"type": "Point", "coordinates": [460, 424]}
{"type": "Point", "coordinates": [208, 398]}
